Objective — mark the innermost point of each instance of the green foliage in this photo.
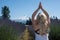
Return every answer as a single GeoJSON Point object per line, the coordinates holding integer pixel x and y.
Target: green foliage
{"type": "Point", "coordinates": [5, 12]}
{"type": "Point", "coordinates": [29, 22]}
{"type": "Point", "coordinates": [55, 32]}
{"type": "Point", "coordinates": [7, 33]}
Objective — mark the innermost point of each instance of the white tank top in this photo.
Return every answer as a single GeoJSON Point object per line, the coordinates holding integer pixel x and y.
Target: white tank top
{"type": "Point", "coordinates": [41, 37]}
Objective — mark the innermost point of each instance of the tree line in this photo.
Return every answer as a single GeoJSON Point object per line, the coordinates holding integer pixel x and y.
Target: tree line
{"type": "Point", "coordinates": [6, 15]}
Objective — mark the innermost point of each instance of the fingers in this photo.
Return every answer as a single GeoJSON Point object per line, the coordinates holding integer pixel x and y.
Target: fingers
{"type": "Point", "coordinates": [40, 3]}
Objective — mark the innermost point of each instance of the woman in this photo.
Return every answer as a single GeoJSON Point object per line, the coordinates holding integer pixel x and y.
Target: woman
{"type": "Point", "coordinates": [41, 24]}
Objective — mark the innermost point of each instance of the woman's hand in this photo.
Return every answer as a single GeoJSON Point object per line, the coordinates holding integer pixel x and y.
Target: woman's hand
{"type": "Point", "coordinates": [40, 6]}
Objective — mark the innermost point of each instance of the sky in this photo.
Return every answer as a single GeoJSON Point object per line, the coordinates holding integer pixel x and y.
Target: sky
{"type": "Point", "coordinates": [25, 8]}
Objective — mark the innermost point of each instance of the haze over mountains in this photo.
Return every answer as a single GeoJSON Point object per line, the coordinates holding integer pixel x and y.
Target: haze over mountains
{"type": "Point", "coordinates": [22, 19]}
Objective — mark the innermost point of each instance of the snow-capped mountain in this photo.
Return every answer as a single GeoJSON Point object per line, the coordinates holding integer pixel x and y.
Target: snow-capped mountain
{"type": "Point", "coordinates": [22, 19]}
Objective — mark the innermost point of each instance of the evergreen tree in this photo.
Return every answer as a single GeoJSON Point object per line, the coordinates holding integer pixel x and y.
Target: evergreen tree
{"type": "Point", "coordinates": [5, 12]}
{"type": "Point", "coordinates": [29, 22]}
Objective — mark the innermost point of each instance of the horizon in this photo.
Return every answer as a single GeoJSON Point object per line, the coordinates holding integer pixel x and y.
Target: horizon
{"type": "Point", "coordinates": [21, 8]}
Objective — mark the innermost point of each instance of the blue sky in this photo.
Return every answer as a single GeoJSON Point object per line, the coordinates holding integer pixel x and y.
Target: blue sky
{"type": "Point", "coordinates": [20, 8]}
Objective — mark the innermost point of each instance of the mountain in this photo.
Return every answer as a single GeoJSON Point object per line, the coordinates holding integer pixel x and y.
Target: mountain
{"type": "Point", "coordinates": [22, 19]}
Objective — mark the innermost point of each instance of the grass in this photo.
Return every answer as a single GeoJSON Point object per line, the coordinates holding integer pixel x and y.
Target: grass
{"type": "Point", "coordinates": [7, 32]}
{"type": "Point", "coordinates": [55, 32]}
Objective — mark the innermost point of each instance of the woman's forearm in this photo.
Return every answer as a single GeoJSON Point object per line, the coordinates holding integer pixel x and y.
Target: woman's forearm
{"type": "Point", "coordinates": [48, 19]}
{"type": "Point", "coordinates": [33, 15]}
{"type": "Point", "coordinates": [45, 13]}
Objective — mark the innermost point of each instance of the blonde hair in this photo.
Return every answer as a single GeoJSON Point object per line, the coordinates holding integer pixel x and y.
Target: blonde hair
{"type": "Point", "coordinates": [41, 18]}
{"type": "Point", "coordinates": [42, 23]}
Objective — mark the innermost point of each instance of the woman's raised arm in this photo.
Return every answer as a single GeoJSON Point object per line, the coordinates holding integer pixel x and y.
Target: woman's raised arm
{"type": "Point", "coordinates": [45, 12]}
{"type": "Point", "coordinates": [34, 14]}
